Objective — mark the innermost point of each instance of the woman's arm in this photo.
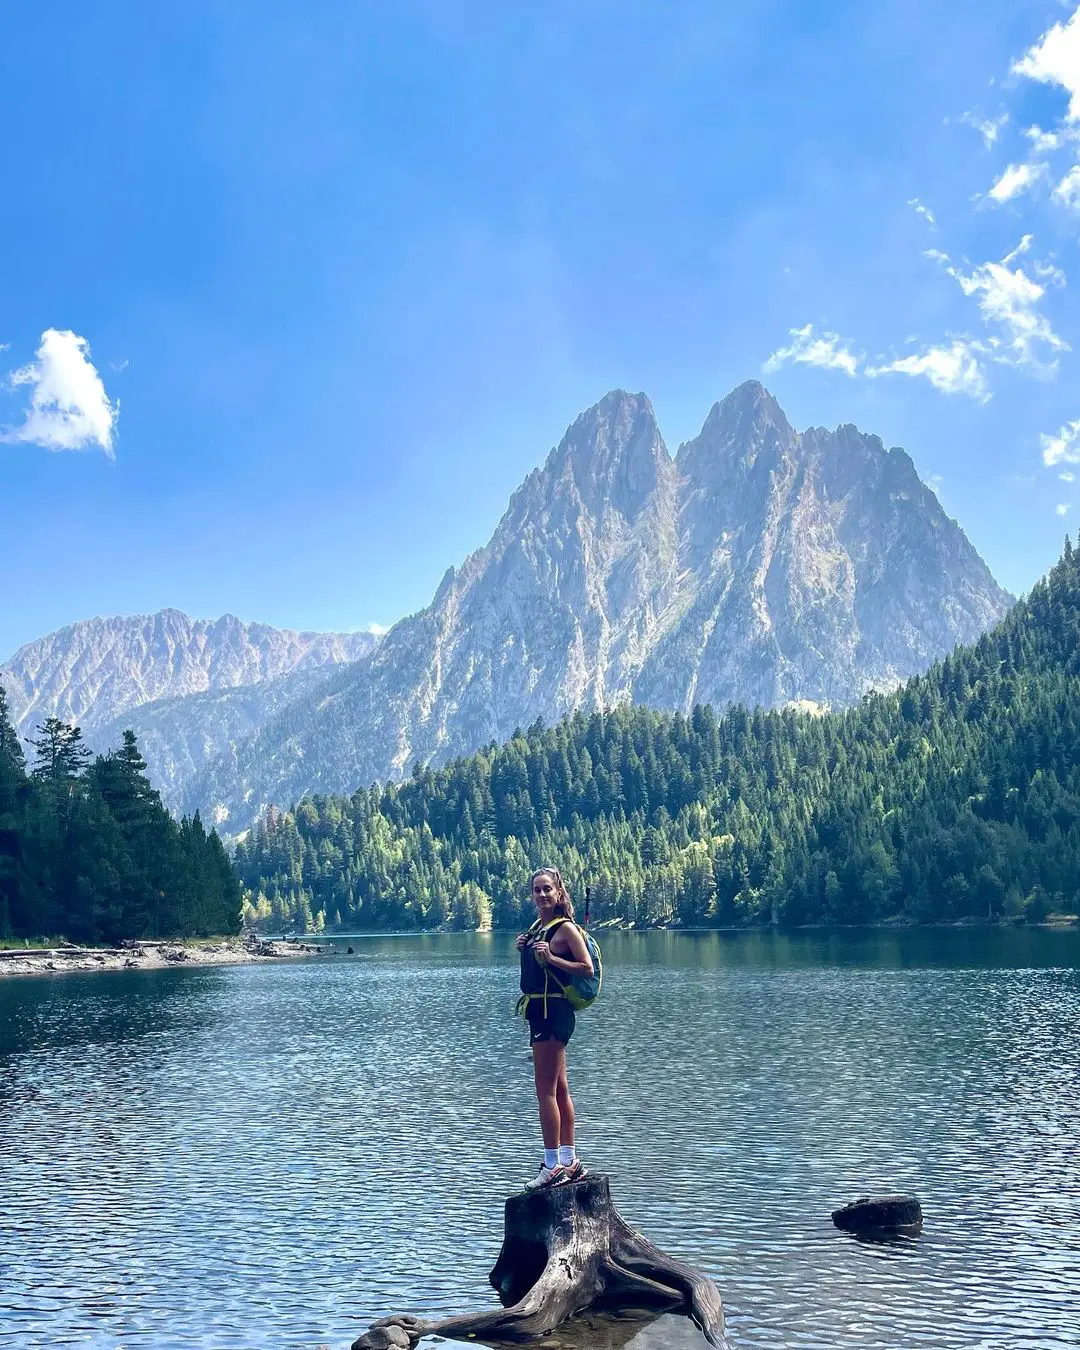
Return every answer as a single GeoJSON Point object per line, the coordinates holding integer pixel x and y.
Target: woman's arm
{"type": "Point", "coordinates": [579, 962]}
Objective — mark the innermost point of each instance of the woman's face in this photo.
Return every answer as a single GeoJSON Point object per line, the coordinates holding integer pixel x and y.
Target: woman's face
{"type": "Point", "coordinates": [544, 894]}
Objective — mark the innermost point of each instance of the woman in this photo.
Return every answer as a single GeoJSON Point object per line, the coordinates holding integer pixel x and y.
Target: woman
{"type": "Point", "coordinates": [552, 951]}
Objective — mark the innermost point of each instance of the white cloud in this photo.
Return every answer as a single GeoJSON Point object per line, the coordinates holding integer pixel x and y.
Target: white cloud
{"type": "Point", "coordinates": [1008, 297]}
{"type": "Point", "coordinates": [989, 128]}
{"type": "Point", "coordinates": [1024, 246]}
{"type": "Point", "coordinates": [1048, 272]}
{"type": "Point", "coordinates": [1068, 190]}
{"type": "Point", "coordinates": [1044, 142]}
{"type": "Point", "coordinates": [1055, 59]}
{"type": "Point", "coordinates": [922, 210]}
{"type": "Point", "coordinates": [953, 370]}
{"type": "Point", "coordinates": [377, 629]}
{"type": "Point", "coordinates": [69, 408]}
{"type": "Point", "coordinates": [1064, 448]}
{"type": "Point", "coordinates": [1061, 508]}
{"type": "Point", "coordinates": [1015, 179]}
{"type": "Point", "coordinates": [825, 351]}
{"type": "Point", "coordinates": [1067, 477]}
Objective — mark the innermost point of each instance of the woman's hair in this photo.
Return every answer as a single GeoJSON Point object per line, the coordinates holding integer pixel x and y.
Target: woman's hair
{"type": "Point", "coordinates": [564, 906]}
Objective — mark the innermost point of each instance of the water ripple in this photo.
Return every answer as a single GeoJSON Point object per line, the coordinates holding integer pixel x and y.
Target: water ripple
{"type": "Point", "coordinates": [231, 1157]}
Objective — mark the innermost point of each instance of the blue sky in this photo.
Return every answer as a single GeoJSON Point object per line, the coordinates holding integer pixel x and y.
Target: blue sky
{"type": "Point", "coordinates": [348, 270]}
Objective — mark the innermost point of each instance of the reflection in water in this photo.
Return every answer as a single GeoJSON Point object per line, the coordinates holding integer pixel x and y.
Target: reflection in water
{"type": "Point", "coordinates": [628, 1329]}
{"type": "Point", "coordinates": [279, 1155]}
{"type": "Point", "coordinates": [956, 948]}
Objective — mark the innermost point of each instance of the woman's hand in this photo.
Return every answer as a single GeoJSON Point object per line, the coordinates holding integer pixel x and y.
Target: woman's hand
{"type": "Point", "coordinates": [542, 952]}
{"type": "Point", "coordinates": [522, 941]}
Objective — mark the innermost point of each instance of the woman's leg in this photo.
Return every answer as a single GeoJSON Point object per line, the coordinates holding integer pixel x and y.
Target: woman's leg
{"type": "Point", "coordinates": [566, 1107]}
{"type": "Point", "coordinates": [549, 1063]}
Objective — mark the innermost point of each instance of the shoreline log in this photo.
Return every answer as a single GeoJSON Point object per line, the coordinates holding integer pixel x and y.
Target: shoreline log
{"type": "Point", "coordinates": [566, 1249]}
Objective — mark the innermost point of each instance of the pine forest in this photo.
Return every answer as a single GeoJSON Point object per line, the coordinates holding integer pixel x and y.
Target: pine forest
{"type": "Point", "coordinates": [955, 798]}
{"type": "Point", "coordinates": [88, 852]}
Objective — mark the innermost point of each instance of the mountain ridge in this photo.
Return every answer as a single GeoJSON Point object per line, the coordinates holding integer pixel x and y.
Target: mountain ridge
{"type": "Point", "coordinates": [758, 564]}
{"type": "Point", "coordinates": [96, 670]}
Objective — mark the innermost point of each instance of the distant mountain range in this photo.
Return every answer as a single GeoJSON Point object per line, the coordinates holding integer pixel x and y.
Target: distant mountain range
{"type": "Point", "coordinates": [758, 565]}
{"type": "Point", "coordinates": [190, 688]}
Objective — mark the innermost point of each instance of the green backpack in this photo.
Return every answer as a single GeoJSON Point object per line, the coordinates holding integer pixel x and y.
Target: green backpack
{"type": "Point", "coordinates": [580, 991]}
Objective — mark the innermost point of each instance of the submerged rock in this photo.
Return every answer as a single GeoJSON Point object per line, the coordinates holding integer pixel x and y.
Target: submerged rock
{"type": "Point", "coordinates": [885, 1214]}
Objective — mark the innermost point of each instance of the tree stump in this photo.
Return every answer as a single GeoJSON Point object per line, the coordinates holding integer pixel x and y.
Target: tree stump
{"type": "Point", "coordinates": [566, 1249]}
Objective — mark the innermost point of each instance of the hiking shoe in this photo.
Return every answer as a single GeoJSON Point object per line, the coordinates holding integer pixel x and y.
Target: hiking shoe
{"type": "Point", "coordinates": [547, 1176]}
{"type": "Point", "coordinates": [576, 1170]}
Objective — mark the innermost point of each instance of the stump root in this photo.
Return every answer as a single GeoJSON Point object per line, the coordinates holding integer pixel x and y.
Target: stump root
{"type": "Point", "coordinates": [564, 1250]}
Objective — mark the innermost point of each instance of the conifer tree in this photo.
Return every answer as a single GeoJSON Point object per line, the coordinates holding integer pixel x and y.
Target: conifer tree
{"type": "Point", "coordinates": [956, 797]}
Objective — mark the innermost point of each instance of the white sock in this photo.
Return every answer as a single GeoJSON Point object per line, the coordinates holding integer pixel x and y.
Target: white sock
{"type": "Point", "coordinates": [551, 1157]}
{"type": "Point", "coordinates": [566, 1154]}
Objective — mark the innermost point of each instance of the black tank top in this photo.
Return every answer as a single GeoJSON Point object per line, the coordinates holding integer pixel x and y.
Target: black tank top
{"type": "Point", "coordinates": [533, 974]}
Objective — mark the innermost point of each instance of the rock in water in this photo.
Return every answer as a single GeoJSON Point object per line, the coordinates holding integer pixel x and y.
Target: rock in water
{"type": "Point", "coordinates": [900, 1214]}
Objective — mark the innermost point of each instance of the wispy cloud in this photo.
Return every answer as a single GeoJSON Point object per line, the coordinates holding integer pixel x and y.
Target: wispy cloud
{"type": "Point", "coordinates": [1055, 59]}
{"type": "Point", "coordinates": [1068, 190]}
{"type": "Point", "coordinates": [826, 351]}
{"type": "Point", "coordinates": [1067, 477]}
{"type": "Point", "coordinates": [1008, 298]}
{"type": "Point", "coordinates": [377, 629]}
{"type": "Point", "coordinates": [1015, 179]}
{"type": "Point", "coordinates": [1010, 295]}
{"type": "Point", "coordinates": [1061, 509]}
{"type": "Point", "coordinates": [923, 210]}
{"type": "Point", "coordinates": [989, 128]}
{"type": "Point", "coordinates": [1064, 448]}
{"type": "Point", "coordinates": [69, 408]}
{"type": "Point", "coordinates": [1044, 142]}
{"type": "Point", "coordinates": [953, 370]}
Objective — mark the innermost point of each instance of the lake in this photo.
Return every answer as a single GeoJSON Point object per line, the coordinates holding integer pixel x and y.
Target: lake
{"type": "Point", "coordinates": [274, 1156]}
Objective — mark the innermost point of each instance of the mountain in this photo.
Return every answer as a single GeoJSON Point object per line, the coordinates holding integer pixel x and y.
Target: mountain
{"type": "Point", "coordinates": [98, 672]}
{"type": "Point", "coordinates": [179, 737]}
{"type": "Point", "coordinates": [953, 799]}
{"type": "Point", "coordinates": [760, 565]}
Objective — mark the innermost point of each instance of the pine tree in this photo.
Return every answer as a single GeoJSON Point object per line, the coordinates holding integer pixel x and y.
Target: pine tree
{"type": "Point", "coordinates": [13, 792]}
{"type": "Point", "coordinates": [59, 753]}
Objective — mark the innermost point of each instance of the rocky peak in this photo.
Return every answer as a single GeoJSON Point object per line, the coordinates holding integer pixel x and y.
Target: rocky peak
{"type": "Point", "coordinates": [746, 427]}
{"type": "Point", "coordinates": [761, 566]}
{"type": "Point", "coordinates": [613, 454]}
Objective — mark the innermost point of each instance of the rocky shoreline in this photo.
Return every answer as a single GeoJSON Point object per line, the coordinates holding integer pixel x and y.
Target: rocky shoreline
{"type": "Point", "coordinates": [148, 955]}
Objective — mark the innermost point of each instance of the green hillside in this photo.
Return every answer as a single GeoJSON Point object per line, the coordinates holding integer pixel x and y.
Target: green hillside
{"type": "Point", "coordinates": [956, 797]}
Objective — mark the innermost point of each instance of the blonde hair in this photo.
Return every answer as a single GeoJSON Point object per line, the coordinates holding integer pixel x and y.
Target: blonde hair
{"type": "Point", "coordinates": [564, 906]}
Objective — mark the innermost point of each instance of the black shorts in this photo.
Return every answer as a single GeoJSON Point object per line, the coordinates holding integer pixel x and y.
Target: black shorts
{"type": "Point", "coordinates": [558, 1025]}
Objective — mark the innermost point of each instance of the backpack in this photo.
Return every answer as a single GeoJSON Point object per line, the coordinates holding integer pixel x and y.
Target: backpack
{"type": "Point", "coordinates": [580, 991]}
